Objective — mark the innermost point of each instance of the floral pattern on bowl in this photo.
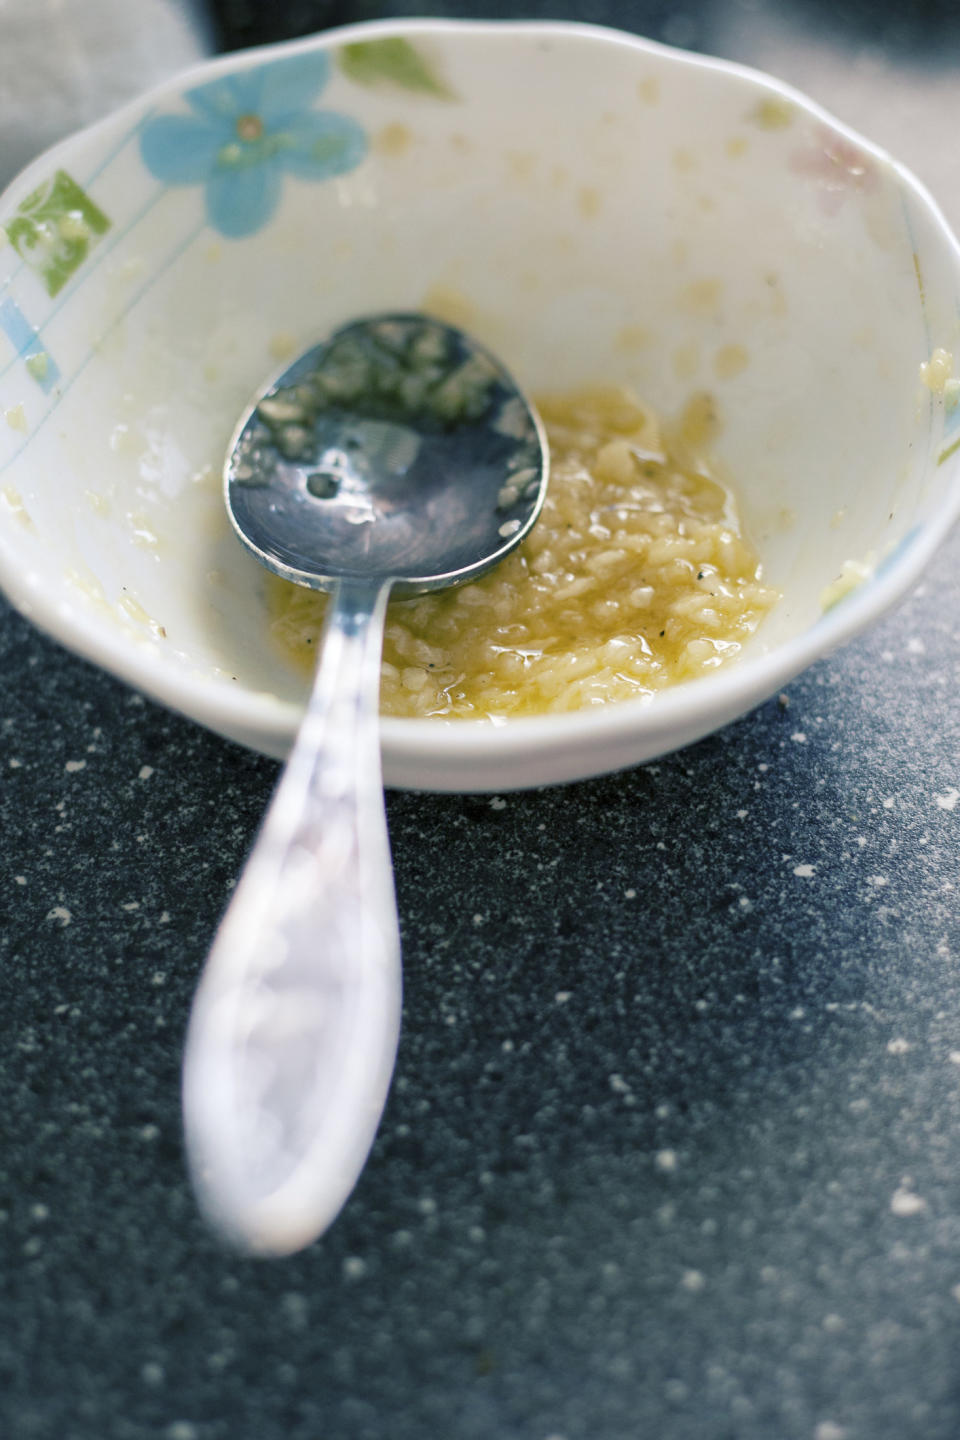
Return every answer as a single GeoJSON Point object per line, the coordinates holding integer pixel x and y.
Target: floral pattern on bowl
{"type": "Point", "coordinates": [247, 131]}
{"type": "Point", "coordinates": [839, 168]}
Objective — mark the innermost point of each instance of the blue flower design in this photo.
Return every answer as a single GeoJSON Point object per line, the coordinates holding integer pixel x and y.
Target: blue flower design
{"type": "Point", "coordinates": [247, 132]}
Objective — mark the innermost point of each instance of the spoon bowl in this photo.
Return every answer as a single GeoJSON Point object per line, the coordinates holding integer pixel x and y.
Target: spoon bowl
{"type": "Point", "coordinates": [397, 455]}
{"type": "Point", "coordinates": [355, 461]}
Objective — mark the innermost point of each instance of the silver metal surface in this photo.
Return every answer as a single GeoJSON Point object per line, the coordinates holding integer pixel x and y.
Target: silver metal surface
{"type": "Point", "coordinates": [398, 447]}
{"type": "Point", "coordinates": [397, 455]}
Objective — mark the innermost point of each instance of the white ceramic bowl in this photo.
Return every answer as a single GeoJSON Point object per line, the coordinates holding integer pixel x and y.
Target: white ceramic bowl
{"type": "Point", "coordinates": [594, 207]}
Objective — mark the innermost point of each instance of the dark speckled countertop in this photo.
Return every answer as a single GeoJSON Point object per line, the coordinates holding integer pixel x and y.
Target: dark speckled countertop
{"type": "Point", "coordinates": [674, 1144]}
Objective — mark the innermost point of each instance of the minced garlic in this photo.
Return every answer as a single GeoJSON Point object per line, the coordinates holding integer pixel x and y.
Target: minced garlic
{"type": "Point", "coordinates": [636, 576]}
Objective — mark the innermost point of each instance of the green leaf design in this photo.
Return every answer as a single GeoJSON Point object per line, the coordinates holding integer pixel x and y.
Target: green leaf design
{"type": "Point", "coordinates": [54, 229]}
{"type": "Point", "coordinates": [391, 61]}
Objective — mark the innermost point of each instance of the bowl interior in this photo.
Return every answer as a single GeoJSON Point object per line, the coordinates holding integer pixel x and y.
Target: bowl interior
{"type": "Point", "coordinates": [594, 208]}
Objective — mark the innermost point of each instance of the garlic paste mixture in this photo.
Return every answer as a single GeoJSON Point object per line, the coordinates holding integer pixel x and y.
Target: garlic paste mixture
{"type": "Point", "coordinates": [636, 576]}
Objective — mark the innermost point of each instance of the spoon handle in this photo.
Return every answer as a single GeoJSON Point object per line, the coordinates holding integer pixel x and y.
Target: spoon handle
{"type": "Point", "coordinates": [294, 1028]}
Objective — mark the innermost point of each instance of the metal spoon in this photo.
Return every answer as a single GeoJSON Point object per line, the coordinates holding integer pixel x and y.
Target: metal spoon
{"type": "Point", "coordinates": [398, 456]}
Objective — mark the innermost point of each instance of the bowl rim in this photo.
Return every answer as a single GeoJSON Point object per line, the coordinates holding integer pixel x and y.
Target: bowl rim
{"type": "Point", "coordinates": [266, 722]}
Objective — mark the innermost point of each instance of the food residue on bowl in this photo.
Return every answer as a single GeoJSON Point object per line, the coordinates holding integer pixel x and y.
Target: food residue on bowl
{"type": "Point", "coordinates": [937, 375]}
{"type": "Point", "coordinates": [852, 574]}
{"type": "Point", "coordinates": [637, 575]}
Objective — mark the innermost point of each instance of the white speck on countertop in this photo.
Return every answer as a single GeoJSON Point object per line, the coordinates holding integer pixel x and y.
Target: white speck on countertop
{"type": "Point", "coordinates": [144, 772]}
{"type": "Point", "coordinates": [39, 1212]}
{"type": "Point", "coordinates": [878, 880]}
{"type": "Point", "coordinates": [182, 1430]}
{"type": "Point", "coordinates": [152, 1374]}
{"type": "Point", "coordinates": [498, 803]}
{"type": "Point", "coordinates": [804, 872]}
{"type": "Point", "coordinates": [898, 1046]}
{"type": "Point", "coordinates": [15, 764]}
{"type": "Point", "coordinates": [742, 814]}
{"type": "Point", "coordinates": [829, 1430]}
{"type": "Point", "coordinates": [562, 996]}
{"type": "Point", "coordinates": [354, 1267]}
{"type": "Point", "coordinates": [948, 801]}
{"type": "Point", "coordinates": [629, 894]}
{"type": "Point", "coordinates": [295, 1309]}
{"type": "Point", "coordinates": [693, 1280]}
{"type": "Point", "coordinates": [798, 737]}
{"type": "Point", "coordinates": [916, 646]}
{"type": "Point", "coordinates": [149, 1132]}
{"type": "Point", "coordinates": [889, 803]}
{"type": "Point", "coordinates": [904, 1202]}
{"type": "Point", "coordinates": [479, 919]}
{"type": "Point", "coordinates": [61, 914]}
{"type": "Point", "coordinates": [19, 879]}
{"type": "Point", "coordinates": [666, 1160]}
{"type": "Point", "coordinates": [131, 905]}
{"type": "Point", "coordinates": [797, 1013]}
{"type": "Point", "coordinates": [954, 1057]}
{"type": "Point", "coordinates": [72, 766]}
{"type": "Point", "coordinates": [955, 1292]}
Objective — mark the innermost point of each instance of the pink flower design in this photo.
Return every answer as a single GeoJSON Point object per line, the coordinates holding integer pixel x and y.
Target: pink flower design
{"type": "Point", "coordinates": [838, 167]}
